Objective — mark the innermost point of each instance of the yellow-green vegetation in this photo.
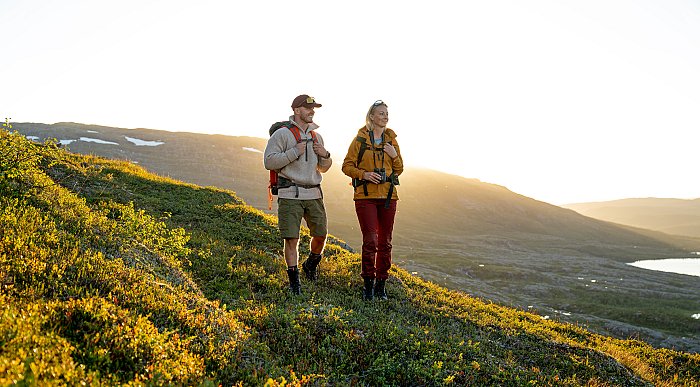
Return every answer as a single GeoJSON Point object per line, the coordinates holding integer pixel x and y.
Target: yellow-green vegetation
{"type": "Point", "coordinates": [112, 275]}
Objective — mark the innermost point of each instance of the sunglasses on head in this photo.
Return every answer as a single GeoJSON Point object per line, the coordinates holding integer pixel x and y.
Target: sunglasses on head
{"type": "Point", "coordinates": [377, 103]}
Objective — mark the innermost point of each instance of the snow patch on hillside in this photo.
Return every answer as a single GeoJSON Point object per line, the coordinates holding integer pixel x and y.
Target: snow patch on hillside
{"type": "Point", "coordinates": [138, 142]}
{"type": "Point", "coordinates": [98, 141]}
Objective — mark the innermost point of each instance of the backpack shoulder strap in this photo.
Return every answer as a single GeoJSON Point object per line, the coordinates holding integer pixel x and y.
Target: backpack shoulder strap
{"type": "Point", "coordinates": [295, 131]}
{"type": "Point", "coordinates": [363, 148]}
{"type": "Point", "coordinates": [292, 128]}
{"type": "Point", "coordinates": [313, 136]}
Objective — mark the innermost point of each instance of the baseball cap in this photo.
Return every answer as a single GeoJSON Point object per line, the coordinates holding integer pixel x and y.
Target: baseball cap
{"type": "Point", "coordinates": [304, 100]}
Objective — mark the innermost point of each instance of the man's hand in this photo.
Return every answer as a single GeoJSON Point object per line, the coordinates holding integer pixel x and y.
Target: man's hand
{"type": "Point", "coordinates": [390, 150]}
{"type": "Point", "coordinates": [320, 150]}
{"type": "Point", "coordinates": [301, 148]}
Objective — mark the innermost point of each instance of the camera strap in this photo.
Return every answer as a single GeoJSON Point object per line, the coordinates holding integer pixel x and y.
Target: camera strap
{"type": "Point", "coordinates": [374, 149]}
{"type": "Point", "coordinates": [392, 177]}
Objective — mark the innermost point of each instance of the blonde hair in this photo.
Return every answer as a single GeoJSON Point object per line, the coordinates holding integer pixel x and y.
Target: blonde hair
{"type": "Point", "coordinates": [376, 104]}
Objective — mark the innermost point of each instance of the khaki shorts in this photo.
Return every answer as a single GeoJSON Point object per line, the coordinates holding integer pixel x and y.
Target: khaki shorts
{"type": "Point", "coordinates": [291, 211]}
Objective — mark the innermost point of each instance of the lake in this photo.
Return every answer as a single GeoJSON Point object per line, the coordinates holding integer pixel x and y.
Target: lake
{"type": "Point", "coordinates": [689, 266]}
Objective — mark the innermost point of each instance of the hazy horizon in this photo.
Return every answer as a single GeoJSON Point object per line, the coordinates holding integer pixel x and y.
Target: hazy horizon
{"type": "Point", "coordinates": [561, 101]}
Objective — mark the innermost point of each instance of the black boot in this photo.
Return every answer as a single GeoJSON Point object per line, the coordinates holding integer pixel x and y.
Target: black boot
{"type": "Point", "coordinates": [310, 266]}
{"type": "Point", "coordinates": [368, 294]}
{"type": "Point", "coordinates": [380, 290]}
{"type": "Point", "coordinates": [294, 284]}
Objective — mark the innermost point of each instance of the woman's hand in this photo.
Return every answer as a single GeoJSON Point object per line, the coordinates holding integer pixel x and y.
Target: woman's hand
{"type": "Point", "coordinates": [372, 177]}
{"type": "Point", "coordinates": [390, 150]}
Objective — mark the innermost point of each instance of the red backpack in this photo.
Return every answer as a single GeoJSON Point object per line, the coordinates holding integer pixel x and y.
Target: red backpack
{"type": "Point", "coordinates": [273, 188]}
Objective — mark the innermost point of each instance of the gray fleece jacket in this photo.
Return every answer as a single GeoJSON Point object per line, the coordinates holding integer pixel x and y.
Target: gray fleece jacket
{"type": "Point", "coordinates": [281, 155]}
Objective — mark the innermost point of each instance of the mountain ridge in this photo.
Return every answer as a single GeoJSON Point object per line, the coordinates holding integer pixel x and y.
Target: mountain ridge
{"type": "Point", "coordinates": [668, 215]}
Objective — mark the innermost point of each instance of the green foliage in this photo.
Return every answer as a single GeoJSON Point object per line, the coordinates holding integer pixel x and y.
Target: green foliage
{"type": "Point", "coordinates": [125, 347]}
{"type": "Point", "coordinates": [19, 161]}
{"type": "Point", "coordinates": [111, 275]}
{"type": "Point", "coordinates": [29, 353]}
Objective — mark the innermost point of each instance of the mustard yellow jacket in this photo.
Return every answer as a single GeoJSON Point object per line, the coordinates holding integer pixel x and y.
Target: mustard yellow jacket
{"type": "Point", "coordinates": [371, 159]}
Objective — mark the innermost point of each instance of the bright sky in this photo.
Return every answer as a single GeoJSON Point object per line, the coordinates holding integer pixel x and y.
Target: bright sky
{"type": "Point", "coordinates": [563, 101]}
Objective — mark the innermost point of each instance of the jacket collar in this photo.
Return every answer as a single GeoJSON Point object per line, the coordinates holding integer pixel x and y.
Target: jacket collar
{"type": "Point", "coordinates": [312, 126]}
{"type": "Point", "coordinates": [389, 134]}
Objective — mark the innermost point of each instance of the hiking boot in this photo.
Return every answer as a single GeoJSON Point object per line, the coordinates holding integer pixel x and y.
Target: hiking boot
{"type": "Point", "coordinates": [368, 293]}
{"type": "Point", "coordinates": [294, 284]}
{"type": "Point", "coordinates": [380, 290]}
{"type": "Point", "coordinates": [310, 266]}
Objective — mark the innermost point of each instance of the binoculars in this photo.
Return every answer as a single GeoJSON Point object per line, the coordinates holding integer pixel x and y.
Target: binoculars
{"type": "Point", "coordinates": [382, 174]}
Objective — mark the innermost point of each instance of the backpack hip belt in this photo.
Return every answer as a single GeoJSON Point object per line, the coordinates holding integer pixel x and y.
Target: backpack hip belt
{"type": "Point", "coordinates": [286, 183]}
{"type": "Point", "coordinates": [393, 181]}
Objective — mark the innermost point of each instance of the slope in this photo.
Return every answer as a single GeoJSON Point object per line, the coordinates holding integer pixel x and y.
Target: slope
{"type": "Point", "coordinates": [462, 233]}
{"type": "Point", "coordinates": [112, 275]}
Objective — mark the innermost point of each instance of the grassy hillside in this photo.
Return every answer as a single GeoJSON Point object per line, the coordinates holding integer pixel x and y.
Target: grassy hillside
{"type": "Point", "coordinates": [112, 275]}
{"type": "Point", "coordinates": [461, 233]}
{"type": "Point", "coordinates": [672, 216]}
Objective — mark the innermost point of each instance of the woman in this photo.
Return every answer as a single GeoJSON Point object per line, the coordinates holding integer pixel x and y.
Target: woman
{"type": "Point", "coordinates": [374, 164]}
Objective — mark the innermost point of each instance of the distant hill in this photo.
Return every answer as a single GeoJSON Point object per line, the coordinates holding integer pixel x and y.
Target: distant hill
{"type": "Point", "coordinates": [110, 275]}
{"type": "Point", "coordinates": [671, 216]}
{"type": "Point", "coordinates": [462, 233]}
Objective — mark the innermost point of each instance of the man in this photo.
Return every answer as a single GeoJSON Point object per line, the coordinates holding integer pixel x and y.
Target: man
{"type": "Point", "coordinates": [299, 165]}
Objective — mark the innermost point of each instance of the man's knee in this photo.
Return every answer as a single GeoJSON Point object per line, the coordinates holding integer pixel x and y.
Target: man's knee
{"type": "Point", "coordinates": [290, 245]}
{"type": "Point", "coordinates": [291, 242]}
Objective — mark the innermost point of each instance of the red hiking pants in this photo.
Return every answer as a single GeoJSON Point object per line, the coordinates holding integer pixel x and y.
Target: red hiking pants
{"type": "Point", "coordinates": [377, 224]}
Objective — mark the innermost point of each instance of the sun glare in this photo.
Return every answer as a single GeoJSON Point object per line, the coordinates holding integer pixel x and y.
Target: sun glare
{"type": "Point", "coordinates": [560, 101]}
